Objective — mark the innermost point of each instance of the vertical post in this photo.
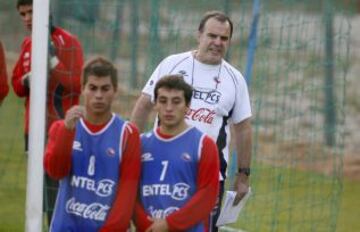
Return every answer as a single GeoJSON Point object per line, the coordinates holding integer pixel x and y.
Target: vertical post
{"type": "Point", "coordinates": [330, 100]}
{"type": "Point", "coordinates": [117, 30]}
{"type": "Point", "coordinates": [154, 33]}
{"type": "Point", "coordinates": [252, 41]}
{"type": "Point", "coordinates": [135, 42]}
{"type": "Point", "coordinates": [250, 60]}
{"type": "Point", "coordinates": [38, 86]}
{"type": "Point", "coordinates": [227, 12]}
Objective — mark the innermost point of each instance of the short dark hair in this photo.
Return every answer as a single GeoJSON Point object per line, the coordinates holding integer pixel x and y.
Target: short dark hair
{"type": "Point", "coordinates": [23, 3]}
{"type": "Point", "coordinates": [100, 67]}
{"type": "Point", "coordinates": [218, 15]}
{"type": "Point", "coordinates": [175, 81]}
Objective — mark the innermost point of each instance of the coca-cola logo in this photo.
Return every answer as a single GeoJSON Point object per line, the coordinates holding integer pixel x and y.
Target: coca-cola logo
{"type": "Point", "coordinates": [162, 213]}
{"type": "Point", "coordinates": [94, 211]}
{"type": "Point", "coordinates": [209, 96]}
{"type": "Point", "coordinates": [201, 115]}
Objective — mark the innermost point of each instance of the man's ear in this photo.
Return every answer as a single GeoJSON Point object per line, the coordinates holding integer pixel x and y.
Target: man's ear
{"type": "Point", "coordinates": [198, 34]}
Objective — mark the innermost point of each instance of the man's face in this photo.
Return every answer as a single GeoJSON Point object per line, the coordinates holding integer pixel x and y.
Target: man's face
{"type": "Point", "coordinates": [213, 41]}
{"type": "Point", "coordinates": [98, 95]}
{"type": "Point", "coordinates": [25, 12]}
{"type": "Point", "coordinates": [171, 107]}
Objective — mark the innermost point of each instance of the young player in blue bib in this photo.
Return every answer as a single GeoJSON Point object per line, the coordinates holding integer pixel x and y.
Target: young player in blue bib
{"type": "Point", "coordinates": [180, 166]}
{"type": "Point", "coordinates": [96, 156]}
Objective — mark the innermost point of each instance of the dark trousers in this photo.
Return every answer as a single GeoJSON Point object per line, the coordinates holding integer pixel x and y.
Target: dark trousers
{"type": "Point", "coordinates": [50, 189]}
{"type": "Point", "coordinates": [50, 193]}
{"type": "Point", "coordinates": [216, 211]}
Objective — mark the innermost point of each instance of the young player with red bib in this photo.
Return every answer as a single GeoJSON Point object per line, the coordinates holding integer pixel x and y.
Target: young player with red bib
{"type": "Point", "coordinates": [63, 87]}
{"type": "Point", "coordinates": [96, 157]}
{"type": "Point", "coordinates": [180, 166]}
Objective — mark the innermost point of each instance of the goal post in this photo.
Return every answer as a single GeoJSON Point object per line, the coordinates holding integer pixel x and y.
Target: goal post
{"type": "Point", "coordinates": [38, 85]}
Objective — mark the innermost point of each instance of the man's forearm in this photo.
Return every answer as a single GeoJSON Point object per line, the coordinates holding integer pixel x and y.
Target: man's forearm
{"type": "Point", "coordinates": [243, 138]}
{"type": "Point", "coordinates": [141, 111]}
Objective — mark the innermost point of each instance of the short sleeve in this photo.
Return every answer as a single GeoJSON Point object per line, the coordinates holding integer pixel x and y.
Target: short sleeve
{"type": "Point", "coordinates": [242, 106]}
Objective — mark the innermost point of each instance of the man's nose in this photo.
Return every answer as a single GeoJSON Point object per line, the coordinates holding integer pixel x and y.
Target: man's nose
{"type": "Point", "coordinates": [169, 106]}
{"type": "Point", "coordinates": [27, 17]}
{"type": "Point", "coordinates": [217, 40]}
{"type": "Point", "coordinates": [98, 94]}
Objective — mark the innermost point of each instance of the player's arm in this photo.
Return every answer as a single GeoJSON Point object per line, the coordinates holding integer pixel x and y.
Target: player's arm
{"type": "Point", "coordinates": [243, 141]}
{"type": "Point", "coordinates": [68, 74]}
{"type": "Point", "coordinates": [57, 159]}
{"type": "Point", "coordinates": [198, 208]}
{"type": "Point", "coordinates": [123, 205]}
{"type": "Point", "coordinates": [4, 87]}
{"type": "Point", "coordinates": [141, 111]}
{"type": "Point", "coordinates": [20, 80]}
{"type": "Point", "coordinates": [141, 218]}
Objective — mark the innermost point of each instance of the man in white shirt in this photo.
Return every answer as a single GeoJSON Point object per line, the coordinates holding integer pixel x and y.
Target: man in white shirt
{"type": "Point", "coordinates": [220, 97]}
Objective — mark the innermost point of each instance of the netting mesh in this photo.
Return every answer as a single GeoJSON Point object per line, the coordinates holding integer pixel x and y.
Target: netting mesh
{"type": "Point", "coordinates": [297, 90]}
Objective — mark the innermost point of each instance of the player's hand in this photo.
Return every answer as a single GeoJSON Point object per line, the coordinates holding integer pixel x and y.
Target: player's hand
{"type": "Point", "coordinates": [241, 186]}
{"type": "Point", "coordinates": [25, 79]}
{"type": "Point", "coordinates": [53, 60]}
{"type": "Point", "coordinates": [159, 225]}
{"type": "Point", "coordinates": [73, 115]}
{"type": "Point", "coordinates": [52, 49]}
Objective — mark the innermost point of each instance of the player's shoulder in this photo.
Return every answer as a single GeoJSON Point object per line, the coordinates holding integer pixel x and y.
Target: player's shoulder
{"type": "Point", "coordinates": [175, 58]}
{"type": "Point", "coordinates": [131, 128]}
{"type": "Point", "coordinates": [26, 42]}
{"type": "Point", "coordinates": [63, 34]}
{"type": "Point", "coordinates": [233, 72]}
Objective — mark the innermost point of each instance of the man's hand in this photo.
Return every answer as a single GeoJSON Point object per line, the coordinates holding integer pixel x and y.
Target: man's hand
{"type": "Point", "coordinates": [241, 186]}
{"type": "Point", "coordinates": [73, 115]}
{"type": "Point", "coordinates": [25, 79]}
{"type": "Point", "coordinates": [159, 225]}
{"type": "Point", "coordinates": [53, 60]}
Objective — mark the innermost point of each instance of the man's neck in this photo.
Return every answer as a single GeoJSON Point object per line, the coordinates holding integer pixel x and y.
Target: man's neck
{"type": "Point", "coordinates": [98, 119]}
{"type": "Point", "coordinates": [197, 56]}
{"type": "Point", "coordinates": [173, 131]}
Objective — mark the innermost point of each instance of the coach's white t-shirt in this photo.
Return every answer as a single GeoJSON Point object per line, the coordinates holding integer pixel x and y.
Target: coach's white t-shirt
{"type": "Point", "coordinates": [220, 97]}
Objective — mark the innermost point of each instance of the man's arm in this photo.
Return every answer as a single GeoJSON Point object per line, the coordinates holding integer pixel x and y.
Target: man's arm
{"type": "Point", "coordinates": [66, 61]}
{"type": "Point", "coordinates": [141, 218]}
{"type": "Point", "coordinates": [20, 77]}
{"type": "Point", "coordinates": [243, 141]}
{"type": "Point", "coordinates": [57, 159]}
{"type": "Point", "coordinates": [141, 111]}
{"type": "Point", "coordinates": [123, 205]}
{"type": "Point", "coordinates": [198, 208]}
{"type": "Point", "coordinates": [4, 87]}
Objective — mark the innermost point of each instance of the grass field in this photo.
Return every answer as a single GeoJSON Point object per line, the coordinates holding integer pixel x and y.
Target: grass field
{"type": "Point", "coordinates": [283, 199]}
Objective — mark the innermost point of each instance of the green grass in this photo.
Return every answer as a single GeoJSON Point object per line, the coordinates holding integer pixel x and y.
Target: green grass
{"type": "Point", "coordinates": [293, 200]}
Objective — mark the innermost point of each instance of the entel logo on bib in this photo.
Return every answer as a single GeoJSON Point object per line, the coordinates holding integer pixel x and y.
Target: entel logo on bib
{"type": "Point", "coordinates": [178, 191]}
{"type": "Point", "coordinates": [102, 188]}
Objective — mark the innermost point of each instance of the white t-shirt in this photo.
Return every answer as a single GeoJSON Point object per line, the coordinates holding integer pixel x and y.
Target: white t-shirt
{"type": "Point", "coordinates": [220, 97]}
